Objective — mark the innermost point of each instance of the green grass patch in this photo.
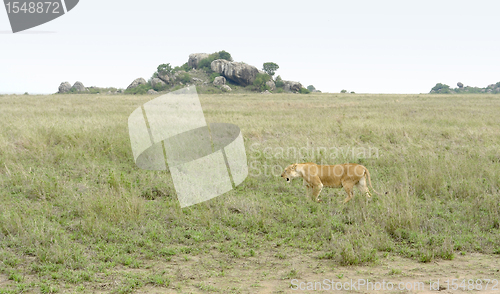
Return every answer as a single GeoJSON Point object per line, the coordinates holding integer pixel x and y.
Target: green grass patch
{"type": "Point", "coordinates": [75, 210]}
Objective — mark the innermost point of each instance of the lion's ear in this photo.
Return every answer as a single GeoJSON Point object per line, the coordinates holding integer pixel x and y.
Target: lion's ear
{"type": "Point", "coordinates": [294, 166]}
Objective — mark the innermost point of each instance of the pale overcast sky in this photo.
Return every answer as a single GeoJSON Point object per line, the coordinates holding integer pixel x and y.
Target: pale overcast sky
{"type": "Point", "coordinates": [361, 46]}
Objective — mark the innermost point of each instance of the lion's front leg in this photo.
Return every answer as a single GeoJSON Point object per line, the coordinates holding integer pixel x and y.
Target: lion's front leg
{"type": "Point", "coordinates": [309, 189]}
{"type": "Point", "coordinates": [316, 190]}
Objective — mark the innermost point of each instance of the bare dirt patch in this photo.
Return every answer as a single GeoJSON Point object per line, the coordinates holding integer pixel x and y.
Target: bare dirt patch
{"type": "Point", "coordinates": [217, 273]}
{"type": "Point", "coordinates": [4, 281]}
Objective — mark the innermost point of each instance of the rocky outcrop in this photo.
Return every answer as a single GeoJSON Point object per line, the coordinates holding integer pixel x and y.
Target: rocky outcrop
{"type": "Point", "coordinates": [136, 83]}
{"type": "Point", "coordinates": [152, 92]}
{"type": "Point", "coordinates": [226, 88]}
{"type": "Point", "coordinates": [266, 92]}
{"type": "Point", "coordinates": [164, 78]}
{"type": "Point", "coordinates": [238, 72]}
{"type": "Point", "coordinates": [440, 88]}
{"type": "Point", "coordinates": [195, 58]}
{"type": "Point", "coordinates": [198, 81]}
{"type": "Point", "coordinates": [271, 85]}
{"type": "Point", "coordinates": [178, 73]}
{"type": "Point", "coordinates": [157, 81]}
{"type": "Point", "coordinates": [79, 87]}
{"type": "Point", "coordinates": [219, 81]}
{"type": "Point", "coordinates": [291, 86]}
{"type": "Point", "coordinates": [65, 87]}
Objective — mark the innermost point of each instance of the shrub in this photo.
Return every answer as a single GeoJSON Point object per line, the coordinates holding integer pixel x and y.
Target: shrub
{"type": "Point", "coordinates": [440, 88]}
{"type": "Point", "coordinates": [160, 87]}
{"type": "Point", "coordinates": [178, 87]}
{"type": "Point", "coordinates": [225, 55]}
{"type": "Point", "coordinates": [260, 82]}
{"type": "Point", "coordinates": [183, 67]}
{"type": "Point", "coordinates": [311, 88]}
{"type": "Point", "coordinates": [279, 82]}
{"type": "Point", "coordinates": [304, 91]}
{"type": "Point", "coordinates": [95, 90]}
{"type": "Point", "coordinates": [206, 64]}
{"type": "Point", "coordinates": [213, 76]}
{"type": "Point", "coordinates": [343, 91]}
{"type": "Point", "coordinates": [139, 90]}
{"type": "Point", "coordinates": [184, 78]}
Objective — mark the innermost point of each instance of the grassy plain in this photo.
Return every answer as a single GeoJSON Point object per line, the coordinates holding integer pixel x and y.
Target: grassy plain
{"type": "Point", "coordinates": [77, 215]}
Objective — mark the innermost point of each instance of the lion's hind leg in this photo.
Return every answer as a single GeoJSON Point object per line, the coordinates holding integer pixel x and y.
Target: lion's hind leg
{"type": "Point", "coordinates": [348, 185]}
{"type": "Point", "coordinates": [363, 188]}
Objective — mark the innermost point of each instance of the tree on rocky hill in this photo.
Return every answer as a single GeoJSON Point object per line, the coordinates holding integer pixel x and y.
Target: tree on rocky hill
{"type": "Point", "coordinates": [225, 55]}
{"type": "Point", "coordinates": [270, 68]}
{"type": "Point", "coordinates": [164, 69]}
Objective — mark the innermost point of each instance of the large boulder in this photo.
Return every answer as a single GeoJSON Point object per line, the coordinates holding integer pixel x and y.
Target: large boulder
{"type": "Point", "coordinates": [164, 78]}
{"type": "Point", "coordinates": [64, 87]}
{"type": "Point", "coordinates": [291, 86]}
{"type": "Point", "coordinates": [79, 87]}
{"type": "Point", "coordinates": [195, 58]}
{"type": "Point", "coordinates": [271, 85]}
{"type": "Point", "coordinates": [238, 72]}
{"type": "Point", "coordinates": [219, 81]}
{"type": "Point", "coordinates": [136, 83]}
{"type": "Point", "coordinates": [157, 81]}
{"type": "Point", "coordinates": [152, 92]}
{"type": "Point", "coordinates": [226, 88]}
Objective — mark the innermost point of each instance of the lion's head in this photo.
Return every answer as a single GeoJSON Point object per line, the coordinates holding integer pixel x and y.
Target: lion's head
{"type": "Point", "coordinates": [290, 172]}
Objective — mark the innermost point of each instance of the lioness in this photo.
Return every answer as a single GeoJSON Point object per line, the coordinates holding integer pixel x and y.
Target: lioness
{"type": "Point", "coordinates": [336, 176]}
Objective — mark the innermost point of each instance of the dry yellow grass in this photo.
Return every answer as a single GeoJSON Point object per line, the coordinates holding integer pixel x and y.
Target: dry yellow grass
{"type": "Point", "coordinates": [76, 213]}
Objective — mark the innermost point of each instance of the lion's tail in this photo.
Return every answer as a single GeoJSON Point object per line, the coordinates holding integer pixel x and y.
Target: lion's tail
{"type": "Point", "coordinates": [370, 181]}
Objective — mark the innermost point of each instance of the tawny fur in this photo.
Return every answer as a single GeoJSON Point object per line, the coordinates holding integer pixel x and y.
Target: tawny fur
{"type": "Point", "coordinates": [335, 176]}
